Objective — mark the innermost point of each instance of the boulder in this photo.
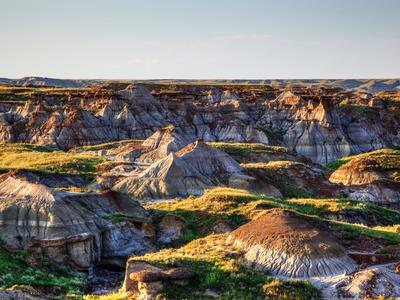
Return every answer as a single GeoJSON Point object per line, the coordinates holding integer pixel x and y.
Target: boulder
{"type": "Point", "coordinates": [148, 283]}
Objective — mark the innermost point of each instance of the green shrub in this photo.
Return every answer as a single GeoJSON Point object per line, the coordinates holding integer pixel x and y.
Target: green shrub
{"type": "Point", "coordinates": [15, 270]}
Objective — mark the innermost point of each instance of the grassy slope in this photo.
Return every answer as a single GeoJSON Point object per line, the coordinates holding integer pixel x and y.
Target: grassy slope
{"type": "Point", "coordinates": [216, 264]}
{"type": "Point", "coordinates": [106, 146]}
{"type": "Point", "coordinates": [285, 184]}
{"type": "Point", "coordinates": [15, 270]}
{"type": "Point", "coordinates": [380, 159]}
{"type": "Point", "coordinates": [13, 266]}
{"type": "Point", "coordinates": [245, 148]}
{"type": "Point", "coordinates": [46, 160]}
{"type": "Point", "coordinates": [272, 164]}
{"type": "Point", "coordinates": [217, 268]}
{"type": "Point", "coordinates": [238, 206]}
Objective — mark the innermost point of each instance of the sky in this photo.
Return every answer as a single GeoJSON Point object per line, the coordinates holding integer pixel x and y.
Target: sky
{"type": "Point", "coordinates": [200, 39]}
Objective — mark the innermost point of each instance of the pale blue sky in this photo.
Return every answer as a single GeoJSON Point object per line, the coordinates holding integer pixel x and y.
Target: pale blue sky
{"type": "Point", "coordinates": [132, 39]}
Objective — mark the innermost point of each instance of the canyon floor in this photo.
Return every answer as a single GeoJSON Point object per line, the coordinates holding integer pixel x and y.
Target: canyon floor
{"type": "Point", "coordinates": [199, 190]}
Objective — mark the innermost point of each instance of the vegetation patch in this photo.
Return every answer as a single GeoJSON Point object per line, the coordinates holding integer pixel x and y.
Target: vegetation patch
{"type": "Point", "coordinates": [15, 270]}
{"type": "Point", "coordinates": [273, 134]}
{"type": "Point", "coordinates": [325, 206]}
{"type": "Point", "coordinates": [354, 107]}
{"type": "Point", "coordinates": [121, 217]}
{"type": "Point", "coordinates": [291, 290]}
{"type": "Point", "coordinates": [216, 266]}
{"type": "Point", "coordinates": [238, 206]}
{"type": "Point", "coordinates": [384, 159]}
{"type": "Point", "coordinates": [201, 214]}
{"type": "Point", "coordinates": [245, 149]}
{"type": "Point", "coordinates": [46, 160]}
{"type": "Point", "coordinates": [106, 146]}
{"type": "Point", "coordinates": [275, 174]}
{"type": "Point", "coordinates": [272, 164]}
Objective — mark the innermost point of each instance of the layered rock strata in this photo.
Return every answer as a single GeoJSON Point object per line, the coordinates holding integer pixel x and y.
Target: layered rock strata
{"type": "Point", "coordinates": [309, 121]}
{"type": "Point", "coordinates": [290, 246]}
{"type": "Point", "coordinates": [81, 228]}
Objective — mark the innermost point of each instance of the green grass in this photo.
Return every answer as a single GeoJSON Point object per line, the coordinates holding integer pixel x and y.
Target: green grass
{"type": "Point", "coordinates": [245, 149]}
{"type": "Point", "coordinates": [14, 270]}
{"type": "Point", "coordinates": [290, 290]}
{"type": "Point", "coordinates": [106, 146]}
{"type": "Point", "coordinates": [237, 206]}
{"type": "Point", "coordinates": [46, 160]}
{"type": "Point", "coordinates": [217, 268]}
{"type": "Point", "coordinates": [325, 206]}
{"type": "Point", "coordinates": [272, 164]}
{"type": "Point", "coordinates": [121, 217]}
{"type": "Point", "coordinates": [355, 106]}
{"type": "Point", "coordinates": [384, 159]}
{"type": "Point", "coordinates": [278, 178]}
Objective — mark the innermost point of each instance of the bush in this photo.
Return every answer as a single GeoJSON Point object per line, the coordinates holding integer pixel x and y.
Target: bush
{"type": "Point", "coordinates": [291, 290]}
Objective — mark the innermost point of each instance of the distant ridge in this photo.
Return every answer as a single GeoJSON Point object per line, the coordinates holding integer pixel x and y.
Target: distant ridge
{"type": "Point", "coordinates": [361, 85]}
{"type": "Point", "coordinates": [50, 82]}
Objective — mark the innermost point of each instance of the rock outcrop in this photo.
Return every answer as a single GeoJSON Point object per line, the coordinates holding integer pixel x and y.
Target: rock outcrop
{"type": "Point", "coordinates": [315, 122]}
{"type": "Point", "coordinates": [144, 281]}
{"type": "Point", "coordinates": [163, 142]}
{"type": "Point", "coordinates": [371, 283]}
{"type": "Point", "coordinates": [170, 229]}
{"type": "Point", "coordinates": [290, 246]}
{"type": "Point", "coordinates": [291, 179]}
{"type": "Point", "coordinates": [81, 228]}
{"type": "Point", "coordinates": [150, 282]}
{"type": "Point", "coordinates": [23, 292]}
{"type": "Point", "coordinates": [372, 177]}
{"type": "Point", "coordinates": [189, 171]}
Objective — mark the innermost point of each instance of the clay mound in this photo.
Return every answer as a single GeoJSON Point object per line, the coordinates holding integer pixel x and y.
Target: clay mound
{"type": "Point", "coordinates": [287, 245]}
{"type": "Point", "coordinates": [189, 171]}
{"type": "Point", "coordinates": [372, 177]}
{"type": "Point", "coordinates": [368, 168]}
{"type": "Point", "coordinates": [79, 224]}
{"type": "Point", "coordinates": [161, 143]}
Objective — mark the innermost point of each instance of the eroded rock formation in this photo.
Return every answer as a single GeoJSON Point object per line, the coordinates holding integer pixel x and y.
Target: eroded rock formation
{"type": "Point", "coordinates": [372, 177]}
{"type": "Point", "coordinates": [288, 245]}
{"type": "Point", "coordinates": [69, 226]}
{"type": "Point", "coordinates": [371, 283]}
{"type": "Point", "coordinates": [310, 121]}
{"type": "Point", "coordinates": [188, 171]}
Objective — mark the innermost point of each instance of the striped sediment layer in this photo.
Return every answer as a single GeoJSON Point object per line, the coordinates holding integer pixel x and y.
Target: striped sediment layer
{"type": "Point", "coordinates": [288, 245]}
